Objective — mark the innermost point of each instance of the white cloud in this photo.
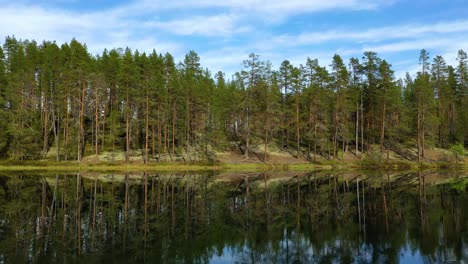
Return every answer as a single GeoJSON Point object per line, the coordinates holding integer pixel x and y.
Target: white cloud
{"type": "Point", "coordinates": [262, 7]}
{"type": "Point", "coordinates": [426, 43]}
{"type": "Point", "coordinates": [218, 25]}
{"type": "Point", "coordinates": [229, 59]}
{"type": "Point", "coordinates": [446, 47]}
{"type": "Point", "coordinates": [221, 29]}
{"type": "Point", "coordinates": [445, 38]}
{"type": "Point", "coordinates": [99, 30]}
{"type": "Point", "coordinates": [374, 34]}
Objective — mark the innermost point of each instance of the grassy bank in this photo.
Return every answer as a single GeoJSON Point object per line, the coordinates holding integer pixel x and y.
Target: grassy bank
{"type": "Point", "coordinates": [134, 167]}
{"type": "Point", "coordinates": [100, 166]}
{"type": "Point", "coordinates": [68, 166]}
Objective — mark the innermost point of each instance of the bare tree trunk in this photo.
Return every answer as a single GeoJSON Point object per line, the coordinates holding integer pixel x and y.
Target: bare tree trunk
{"type": "Point", "coordinates": [382, 127]}
{"type": "Point", "coordinates": [337, 123]}
{"type": "Point", "coordinates": [267, 127]}
{"type": "Point", "coordinates": [247, 138]}
{"type": "Point", "coordinates": [81, 126]}
{"type": "Point", "coordinates": [56, 136]}
{"type": "Point", "coordinates": [298, 138]}
{"type": "Point", "coordinates": [335, 133]}
{"type": "Point", "coordinates": [46, 125]}
{"type": "Point", "coordinates": [104, 115]}
{"type": "Point", "coordinates": [439, 116]}
{"type": "Point", "coordinates": [153, 140]}
{"type": "Point", "coordinates": [372, 121]}
{"type": "Point", "coordinates": [357, 129]}
{"type": "Point", "coordinates": [315, 133]}
{"type": "Point", "coordinates": [96, 117]}
{"type": "Point", "coordinates": [146, 125]}
{"type": "Point", "coordinates": [159, 130]}
{"type": "Point", "coordinates": [362, 126]}
{"type": "Point", "coordinates": [173, 127]}
{"type": "Point", "coordinates": [187, 126]}
{"type": "Point", "coordinates": [127, 126]}
{"type": "Point", "coordinates": [422, 135]}
{"type": "Point", "coordinates": [419, 132]}
{"type": "Point", "coordinates": [310, 125]}
{"type": "Point", "coordinates": [285, 127]}
{"type": "Point", "coordinates": [65, 127]}
{"type": "Point", "coordinates": [166, 138]}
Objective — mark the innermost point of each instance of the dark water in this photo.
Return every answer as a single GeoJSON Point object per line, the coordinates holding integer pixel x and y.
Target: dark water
{"type": "Point", "coordinates": [418, 217]}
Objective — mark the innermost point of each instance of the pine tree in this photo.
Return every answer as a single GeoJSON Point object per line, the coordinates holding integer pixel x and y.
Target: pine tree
{"type": "Point", "coordinates": [385, 84]}
{"type": "Point", "coordinates": [356, 85]}
{"type": "Point", "coordinates": [340, 79]}
{"type": "Point", "coordinates": [52, 96]}
{"type": "Point", "coordinates": [64, 99]}
{"type": "Point", "coordinates": [4, 108]}
{"type": "Point", "coordinates": [462, 93]}
{"type": "Point", "coordinates": [23, 122]}
{"type": "Point", "coordinates": [425, 103]}
{"type": "Point", "coordinates": [442, 95]}
{"type": "Point", "coordinates": [285, 74]}
{"type": "Point", "coordinates": [252, 75]}
{"type": "Point", "coordinates": [79, 69]}
{"type": "Point", "coordinates": [172, 88]}
{"type": "Point", "coordinates": [370, 70]}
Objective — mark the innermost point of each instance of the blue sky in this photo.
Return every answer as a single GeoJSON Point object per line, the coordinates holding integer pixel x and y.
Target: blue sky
{"type": "Point", "coordinates": [224, 32]}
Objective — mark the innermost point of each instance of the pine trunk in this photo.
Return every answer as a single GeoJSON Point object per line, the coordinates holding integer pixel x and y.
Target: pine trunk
{"type": "Point", "coordinates": [382, 127]}
{"type": "Point", "coordinates": [146, 126]}
{"type": "Point", "coordinates": [96, 117]}
{"type": "Point", "coordinates": [81, 125]}
{"type": "Point", "coordinates": [173, 127]}
{"type": "Point", "coordinates": [357, 129]}
{"type": "Point", "coordinates": [419, 132]}
{"type": "Point", "coordinates": [127, 127]}
{"type": "Point", "coordinates": [298, 138]}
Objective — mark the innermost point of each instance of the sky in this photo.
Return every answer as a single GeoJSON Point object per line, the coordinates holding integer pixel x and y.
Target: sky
{"type": "Point", "coordinates": [225, 32]}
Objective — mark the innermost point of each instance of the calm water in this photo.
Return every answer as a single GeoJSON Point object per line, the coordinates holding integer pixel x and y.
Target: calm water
{"type": "Point", "coordinates": [418, 217]}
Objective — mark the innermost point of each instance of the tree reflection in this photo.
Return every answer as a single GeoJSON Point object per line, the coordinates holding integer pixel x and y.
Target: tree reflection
{"type": "Point", "coordinates": [253, 217]}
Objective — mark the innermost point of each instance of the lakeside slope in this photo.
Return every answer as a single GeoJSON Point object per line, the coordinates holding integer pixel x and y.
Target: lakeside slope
{"type": "Point", "coordinates": [235, 161]}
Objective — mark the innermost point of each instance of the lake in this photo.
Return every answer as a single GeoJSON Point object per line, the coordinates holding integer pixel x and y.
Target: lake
{"type": "Point", "coordinates": [212, 217]}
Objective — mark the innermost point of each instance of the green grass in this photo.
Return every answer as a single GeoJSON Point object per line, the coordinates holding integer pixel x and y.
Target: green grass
{"type": "Point", "coordinates": [119, 166]}
{"type": "Point", "coordinates": [100, 166]}
{"type": "Point", "coordinates": [103, 166]}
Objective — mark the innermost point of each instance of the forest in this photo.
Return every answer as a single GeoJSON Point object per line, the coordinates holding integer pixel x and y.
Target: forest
{"type": "Point", "coordinates": [60, 102]}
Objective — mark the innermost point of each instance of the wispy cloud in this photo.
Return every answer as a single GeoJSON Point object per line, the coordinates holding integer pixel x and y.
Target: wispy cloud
{"type": "Point", "coordinates": [443, 37]}
{"type": "Point", "coordinates": [225, 32]}
{"type": "Point", "coordinates": [374, 34]}
{"type": "Point", "coordinates": [423, 43]}
{"type": "Point", "coordinates": [99, 30]}
{"type": "Point", "coordinates": [262, 6]}
{"type": "Point", "coordinates": [217, 25]}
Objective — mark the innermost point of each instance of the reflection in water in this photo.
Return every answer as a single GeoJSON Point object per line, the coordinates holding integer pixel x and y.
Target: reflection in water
{"type": "Point", "coordinates": [245, 218]}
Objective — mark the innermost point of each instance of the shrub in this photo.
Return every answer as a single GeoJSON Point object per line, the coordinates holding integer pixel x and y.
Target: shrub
{"type": "Point", "coordinates": [458, 151]}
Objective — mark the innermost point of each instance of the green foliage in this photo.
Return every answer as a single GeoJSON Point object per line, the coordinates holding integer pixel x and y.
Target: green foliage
{"type": "Point", "coordinates": [25, 141]}
{"type": "Point", "coordinates": [62, 97]}
{"type": "Point", "coordinates": [458, 151]}
{"type": "Point", "coordinates": [372, 159]}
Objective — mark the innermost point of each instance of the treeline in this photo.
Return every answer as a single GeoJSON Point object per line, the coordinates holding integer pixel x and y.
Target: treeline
{"type": "Point", "coordinates": [65, 99]}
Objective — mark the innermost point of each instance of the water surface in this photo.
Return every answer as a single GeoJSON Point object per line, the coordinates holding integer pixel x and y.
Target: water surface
{"type": "Point", "coordinates": [276, 217]}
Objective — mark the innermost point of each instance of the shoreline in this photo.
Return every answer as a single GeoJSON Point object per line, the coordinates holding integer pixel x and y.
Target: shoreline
{"type": "Point", "coordinates": [101, 166]}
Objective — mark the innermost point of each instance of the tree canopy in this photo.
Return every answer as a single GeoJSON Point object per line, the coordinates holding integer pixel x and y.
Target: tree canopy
{"type": "Point", "coordinates": [61, 99]}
